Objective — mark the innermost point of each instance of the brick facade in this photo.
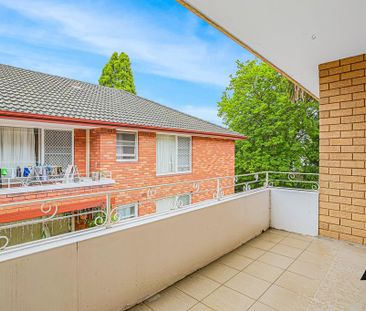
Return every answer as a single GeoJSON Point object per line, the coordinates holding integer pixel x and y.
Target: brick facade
{"type": "Point", "coordinates": [211, 157]}
{"type": "Point", "coordinates": [342, 209]}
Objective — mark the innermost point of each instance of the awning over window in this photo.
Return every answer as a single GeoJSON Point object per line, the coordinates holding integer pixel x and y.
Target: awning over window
{"type": "Point", "coordinates": [27, 212]}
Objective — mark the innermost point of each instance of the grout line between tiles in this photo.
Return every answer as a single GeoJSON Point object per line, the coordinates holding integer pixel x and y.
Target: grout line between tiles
{"type": "Point", "coordinates": [284, 270]}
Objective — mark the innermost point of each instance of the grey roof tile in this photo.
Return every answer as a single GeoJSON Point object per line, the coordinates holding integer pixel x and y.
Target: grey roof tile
{"type": "Point", "coordinates": [28, 91]}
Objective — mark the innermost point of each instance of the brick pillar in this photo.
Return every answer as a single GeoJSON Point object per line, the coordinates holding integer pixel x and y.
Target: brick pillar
{"type": "Point", "coordinates": [102, 149]}
{"type": "Point", "coordinates": [80, 150]}
{"type": "Point", "coordinates": [342, 149]}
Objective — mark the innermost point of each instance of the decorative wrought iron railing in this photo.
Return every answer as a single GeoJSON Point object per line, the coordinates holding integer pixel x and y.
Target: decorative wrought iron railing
{"type": "Point", "coordinates": [24, 223]}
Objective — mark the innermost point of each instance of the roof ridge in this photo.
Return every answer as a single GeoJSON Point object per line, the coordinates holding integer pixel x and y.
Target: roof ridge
{"type": "Point", "coordinates": [118, 90]}
{"type": "Point", "coordinates": [178, 118]}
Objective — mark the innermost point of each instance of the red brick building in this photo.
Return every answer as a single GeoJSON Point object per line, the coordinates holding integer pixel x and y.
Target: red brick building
{"type": "Point", "coordinates": [61, 137]}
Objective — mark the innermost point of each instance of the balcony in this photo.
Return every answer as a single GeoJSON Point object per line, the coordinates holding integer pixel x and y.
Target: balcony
{"type": "Point", "coordinates": [277, 270]}
{"type": "Point", "coordinates": [240, 242]}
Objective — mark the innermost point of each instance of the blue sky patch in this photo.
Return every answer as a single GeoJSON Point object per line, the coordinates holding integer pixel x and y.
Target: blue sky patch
{"type": "Point", "coordinates": [178, 60]}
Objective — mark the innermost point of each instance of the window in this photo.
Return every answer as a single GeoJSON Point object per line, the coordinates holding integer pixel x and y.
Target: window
{"type": "Point", "coordinates": [18, 147]}
{"type": "Point", "coordinates": [58, 148]}
{"type": "Point", "coordinates": [24, 147]}
{"type": "Point", "coordinates": [126, 146]}
{"type": "Point", "coordinates": [171, 203]}
{"type": "Point", "coordinates": [173, 154]}
{"type": "Point", "coordinates": [127, 211]}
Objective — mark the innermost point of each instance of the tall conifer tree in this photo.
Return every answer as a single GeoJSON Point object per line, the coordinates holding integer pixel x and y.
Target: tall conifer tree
{"type": "Point", "coordinates": [117, 73]}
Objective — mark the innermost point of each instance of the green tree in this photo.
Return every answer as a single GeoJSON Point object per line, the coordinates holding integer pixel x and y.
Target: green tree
{"type": "Point", "coordinates": [117, 73]}
{"type": "Point", "coordinates": [280, 122]}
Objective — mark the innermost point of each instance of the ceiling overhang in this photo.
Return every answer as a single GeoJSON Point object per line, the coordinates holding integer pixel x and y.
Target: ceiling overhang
{"type": "Point", "coordinates": [294, 37]}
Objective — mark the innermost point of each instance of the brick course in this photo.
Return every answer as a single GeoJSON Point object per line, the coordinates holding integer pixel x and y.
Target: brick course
{"type": "Point", "coordinates": [342, 212]}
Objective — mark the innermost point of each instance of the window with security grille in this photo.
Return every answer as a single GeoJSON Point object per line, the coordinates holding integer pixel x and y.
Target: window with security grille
{"type": "Point", "coordinates": [184, 154]}
{"type": "Point", "coordinates": [126, 148]}
{"type": "Point", "coordinates": [174, 202]}
{"type": "Point", "coordinates": [127, 211]}
{"type": "Point", "coordinates": [173, 154]}
{"type": "Point", "coordinates": [58, 148]}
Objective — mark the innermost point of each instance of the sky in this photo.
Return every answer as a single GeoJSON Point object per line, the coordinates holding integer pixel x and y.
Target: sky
{"type": "Point", "coordinates": [177, 59]}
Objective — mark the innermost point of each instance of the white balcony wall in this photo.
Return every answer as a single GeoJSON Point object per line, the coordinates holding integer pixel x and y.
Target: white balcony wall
{"type": "Point", "coordinates": [124, 265]}
{"type": "Point", "coordinates": [295, 210]}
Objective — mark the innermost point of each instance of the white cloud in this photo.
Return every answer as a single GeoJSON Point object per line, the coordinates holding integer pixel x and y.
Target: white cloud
{"type": "Point", "coordinates": [202, 112]}
{"type": "Point", "coordinates": [174, 51]}
{"type": "Point", "coordinates": [46, 63]}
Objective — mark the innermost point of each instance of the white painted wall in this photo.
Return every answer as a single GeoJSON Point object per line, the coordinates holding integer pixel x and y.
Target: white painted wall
{"type": "Point", "coordinates": [295, 210]}
{"type": "Point", "coordinates": [112, 269]}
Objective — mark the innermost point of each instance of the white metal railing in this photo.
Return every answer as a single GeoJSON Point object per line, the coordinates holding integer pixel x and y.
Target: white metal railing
{"type": "Point", "coordinates": [26, 222]}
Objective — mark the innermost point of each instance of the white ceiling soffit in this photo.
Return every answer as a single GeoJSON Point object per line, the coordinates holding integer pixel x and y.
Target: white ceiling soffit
{"type": "Point", "coordinates": [295, 36]}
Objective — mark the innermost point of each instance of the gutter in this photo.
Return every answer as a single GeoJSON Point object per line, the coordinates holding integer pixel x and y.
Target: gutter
{"type": "Point", "coordinates": [108, 124]}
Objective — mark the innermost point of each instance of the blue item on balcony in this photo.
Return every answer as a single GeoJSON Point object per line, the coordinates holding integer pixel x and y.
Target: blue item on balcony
{"type": "Point", "coordinates": [26, 172]}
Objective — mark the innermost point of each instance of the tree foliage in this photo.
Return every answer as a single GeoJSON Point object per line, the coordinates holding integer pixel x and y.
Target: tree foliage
{"type": "Point", "coordinates": [117, 73]}
{"type": "Point", "coordinates": [282, 129]}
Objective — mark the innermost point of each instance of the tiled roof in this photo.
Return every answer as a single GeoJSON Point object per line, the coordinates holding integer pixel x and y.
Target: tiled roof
{"type": "Point", "coordinates": [25, 91]}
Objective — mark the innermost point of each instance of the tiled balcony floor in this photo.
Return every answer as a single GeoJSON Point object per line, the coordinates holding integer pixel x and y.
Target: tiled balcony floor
{"type": "Point", "coordinates": [275, 271]}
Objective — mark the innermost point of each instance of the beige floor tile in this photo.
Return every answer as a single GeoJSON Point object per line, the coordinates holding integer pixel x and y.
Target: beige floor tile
{"type": "Point", "coordinates": [171, 299]}
{"type": "Point", "coordinates": [200, 307]}
{"type": "Point", "coordinates": [249, 251]}
{"type": "Point", "coordinates": [226, 299]}
{"type": "Point", "coordinates": [197, 286]}
{"type": "Point", "coordinates": [310, 270]}
{"type": "Point", "coordinates": [248, 285]}
{"type": "Point", "coordinates": [271, 237]}
{"type": "Point", "coordinates": [285, 250]}
{"type": "Point", "coordinates": [218, 272]}
{"type": "Point", "coordinates": [298, 284]}
{"type": "Point", "coordinates": [280, 232]}
{"type": "Point", "coordinates": [283, 299]}
{"type": "Point", "coordinates": [301, 237]}
{"type": "Point", "coordinates": [263, 271]}
{"type": "Point", "coordinates": [316, 305]}
{"type": "Point", "coordinates": [262, 244]}
{"type": "Point", "coordinates": [277, 260]}
{"type": "Point", "coordinates": [295, 243]}
{"type": "Point", "coordinates": [140, 307]}
{"type": "Point", "coordinates": [315, 258]}
{"type": "Point", "coordinates": [319, 247]}
{"type": "Point", "coordinates": [235, 261]}
{"type": "Point", "coordinates": [258, 306]}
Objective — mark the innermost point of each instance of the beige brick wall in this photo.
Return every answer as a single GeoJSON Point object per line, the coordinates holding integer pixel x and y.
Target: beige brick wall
{"type": "Point", "coordinates": [342, 212]}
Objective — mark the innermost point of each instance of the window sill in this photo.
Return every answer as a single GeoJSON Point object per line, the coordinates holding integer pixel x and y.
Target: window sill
{"type": "Point", "coordinates": [127, 161]}
{"type": "Point", "coordinates": [173, 174]}
{"type": "Point", "coordinates": [59, 186]}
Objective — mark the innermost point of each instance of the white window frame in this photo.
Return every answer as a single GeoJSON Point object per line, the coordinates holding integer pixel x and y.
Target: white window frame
{"type": "Point", "coordinates": [176, 155]}
{"type": "Point", "coordinates": [123, 206]}
{"type": "Point", "coordinates": [136, 133]}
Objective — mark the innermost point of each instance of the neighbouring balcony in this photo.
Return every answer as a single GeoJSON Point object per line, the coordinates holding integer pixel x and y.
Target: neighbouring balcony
{"type": "Point", "coordinates": [139, 242]}
{"type": "Point", "coordinates": [50, 178]}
